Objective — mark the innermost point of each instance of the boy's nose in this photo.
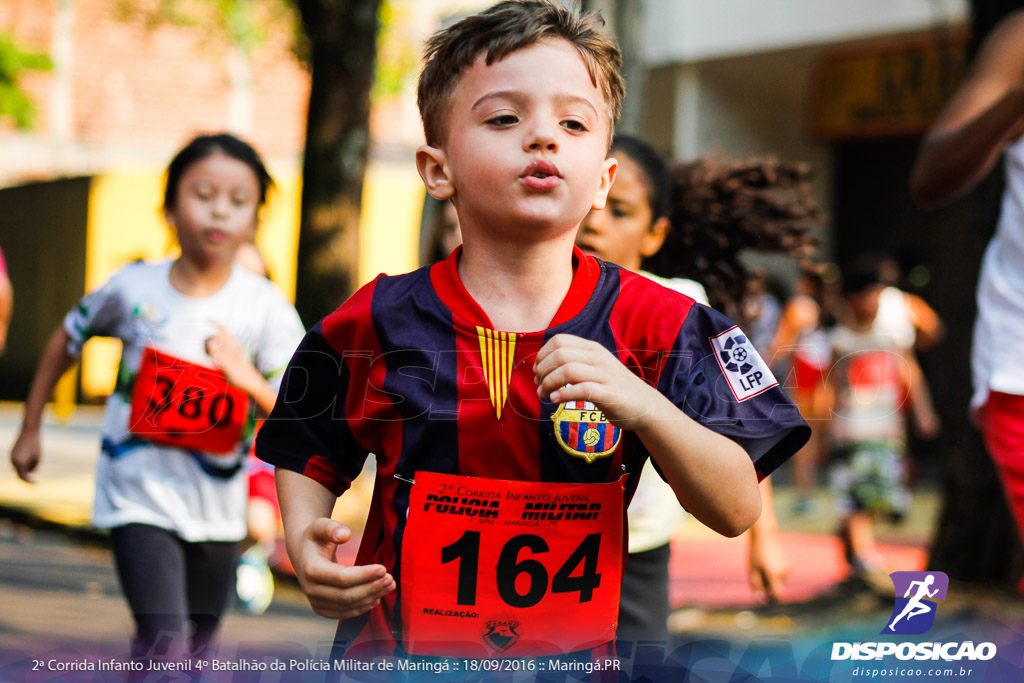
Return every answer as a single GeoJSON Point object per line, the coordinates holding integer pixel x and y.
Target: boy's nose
{"type": "Point", "coordinates": [541, 136]}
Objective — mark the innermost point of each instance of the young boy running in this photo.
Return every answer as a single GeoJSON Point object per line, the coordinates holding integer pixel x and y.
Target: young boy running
{"type": "Point", "coordinates": [512, 393]}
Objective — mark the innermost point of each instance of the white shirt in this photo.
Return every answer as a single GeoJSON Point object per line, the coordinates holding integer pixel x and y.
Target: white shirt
{"type": "Point", "coordinates": [654, 513]}
{"type": "Point", "coordinates": [997, 356]}
{"type": "Point", "coordinates": [197, 495]}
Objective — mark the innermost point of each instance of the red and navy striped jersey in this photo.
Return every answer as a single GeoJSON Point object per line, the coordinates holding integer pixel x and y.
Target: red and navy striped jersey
{"type": "Point", "coordinates": [411, 370]}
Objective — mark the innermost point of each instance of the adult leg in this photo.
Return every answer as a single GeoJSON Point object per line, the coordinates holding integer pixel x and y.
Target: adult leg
{"type": "Point", "coordinates": [211, 580]}
{"type": "Point", "coordinates": [151, 568]}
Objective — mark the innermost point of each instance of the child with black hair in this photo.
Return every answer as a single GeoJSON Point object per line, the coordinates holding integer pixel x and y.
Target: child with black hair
{"type": "Point", "coordinates": [873, 378]}
{"type": "Point", "coordinates": [632, 228]}
{"type": "Point", "coordinates": [203, 337]}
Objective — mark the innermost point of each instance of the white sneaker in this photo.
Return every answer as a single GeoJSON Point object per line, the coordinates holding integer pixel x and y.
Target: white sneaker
{"type": "Point", "coordinates": [254, 583]}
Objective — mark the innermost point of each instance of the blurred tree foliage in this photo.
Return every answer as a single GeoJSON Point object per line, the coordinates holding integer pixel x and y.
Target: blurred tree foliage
{"type": "Point", "coordinates": [14, 62]}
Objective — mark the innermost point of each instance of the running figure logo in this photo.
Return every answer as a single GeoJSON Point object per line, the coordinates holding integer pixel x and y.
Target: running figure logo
{"type": "Point", "coordinates": [914, 613]}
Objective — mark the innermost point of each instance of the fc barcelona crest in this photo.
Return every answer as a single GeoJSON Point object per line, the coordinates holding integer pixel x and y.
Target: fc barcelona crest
{"type": "Point", "coordinates": [583, 431]}
{"type": "Point", "coordinates": [501, 635]}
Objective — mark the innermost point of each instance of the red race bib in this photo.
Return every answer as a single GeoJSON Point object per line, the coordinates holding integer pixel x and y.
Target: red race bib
{"type": "Point", "coordinates": [507, 568]}
{"type": "Point", "coordinates": [183, 404]}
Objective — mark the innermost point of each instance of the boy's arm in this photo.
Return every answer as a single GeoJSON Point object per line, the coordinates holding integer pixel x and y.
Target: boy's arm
{"type": "Point", "coordinates": [985, 113]}
{"type": "Point", "coordinates": [711, 474]}
{"type": "Point", "coordinates": [929, 326]}
{"type": "Point", "coordinates": [925, 418]}
{"type": "Point", "coordinates": [56, 360]}
{"type": "Point", "coordinates": [312, 537]}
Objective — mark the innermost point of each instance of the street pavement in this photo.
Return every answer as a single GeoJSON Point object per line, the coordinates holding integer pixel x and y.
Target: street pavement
{"type": "Point", "coordinates": [707, 570]}
{"type": "Point", "coordinates": [58, 590]}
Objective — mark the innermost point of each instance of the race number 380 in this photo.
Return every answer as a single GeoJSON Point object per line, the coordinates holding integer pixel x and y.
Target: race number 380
{"type": "Point", "coordinates": [179, 403]}
{"type": "Point", "coordinates": [510, 568]}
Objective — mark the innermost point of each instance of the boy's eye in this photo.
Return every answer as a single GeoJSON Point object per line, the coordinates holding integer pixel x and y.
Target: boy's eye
{"type": "Point", "coordinates": [574, 125]}
{"type": "Point", "coordinates": [619, 212]}
{"type": "Point", "coordinates": [503, 120]}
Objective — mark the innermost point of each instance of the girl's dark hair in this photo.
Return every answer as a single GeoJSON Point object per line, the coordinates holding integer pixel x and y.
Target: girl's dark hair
{"type": "Point", "coordinates": [720, 209]}
{"type": "Point", "coordinates": [205, 145]}
{"type": "Point", "coordinates": [657, 179]}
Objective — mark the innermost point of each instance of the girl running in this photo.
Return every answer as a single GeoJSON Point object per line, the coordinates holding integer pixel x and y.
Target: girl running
{"type": "Point", "coordinates": [643, 209]}
{"type": "Point", "coordinates": [203, 338]}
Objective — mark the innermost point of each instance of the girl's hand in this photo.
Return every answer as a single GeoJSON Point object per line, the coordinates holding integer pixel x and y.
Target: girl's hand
{"type": "Point", "coordinates": [26, 453]}
{"type": "Point", "coordinates": [769, 566]}
{"type": "Point", "coordinates": [337, 591]}
{"type": "Point", "coordinates": [570, 368]}
{"type": "Point", "coordinates": [230, 357]}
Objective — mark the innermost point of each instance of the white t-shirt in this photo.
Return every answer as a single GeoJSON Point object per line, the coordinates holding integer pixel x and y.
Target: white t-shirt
{"type": "Point", "coordinates": [997, 356]}
{"type": "Point", "coordinates": [199, 496]}
{"type": "Point", "coordinates": [654, 512]}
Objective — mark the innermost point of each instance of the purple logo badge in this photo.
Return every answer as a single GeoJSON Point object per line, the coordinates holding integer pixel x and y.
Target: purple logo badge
{"type": "Point", "coordinates": [914, 612]}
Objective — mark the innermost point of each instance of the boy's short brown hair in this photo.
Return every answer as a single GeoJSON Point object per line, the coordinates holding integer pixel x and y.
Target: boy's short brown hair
{"type": "Point", "coordinates": [501, 30]}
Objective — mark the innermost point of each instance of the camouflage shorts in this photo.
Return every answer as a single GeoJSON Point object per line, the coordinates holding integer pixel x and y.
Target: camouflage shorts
{"type": "Point", "coordinates": [871, 476]}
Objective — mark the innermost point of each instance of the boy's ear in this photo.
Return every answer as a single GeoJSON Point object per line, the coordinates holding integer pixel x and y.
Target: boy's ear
{"type": "Point", "coordinates": [611, 165]}
{"type": "Point", "coordinates": [432, 164]}
{"type": "Point", "coordinates": [654, 238]}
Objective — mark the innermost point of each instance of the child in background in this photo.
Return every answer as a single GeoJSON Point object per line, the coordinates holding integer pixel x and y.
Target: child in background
{"type": "Point", "coordinates": [201, 337]}
{"type": "Point", "coordinates": [629, 230]}
{"type": "Point", "coordinates": [872, 378]}
{"type": "Point", "coordinates": [515, 381]}
{"type": "Point", "coordinates": [802, 340]}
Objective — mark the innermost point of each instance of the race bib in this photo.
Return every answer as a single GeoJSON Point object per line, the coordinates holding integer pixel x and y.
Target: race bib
{"type": "Point", "coordinates": [494, 568]}
{"type": "Point", "coordinates": [183, 404]}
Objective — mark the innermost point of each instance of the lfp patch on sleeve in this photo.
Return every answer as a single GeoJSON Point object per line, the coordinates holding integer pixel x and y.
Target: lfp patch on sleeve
{"type": "Point", "coordinates": [747, 373]}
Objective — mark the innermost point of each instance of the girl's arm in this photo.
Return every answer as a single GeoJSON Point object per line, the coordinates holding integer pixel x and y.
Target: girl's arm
{"type": "Point", "coordinates": [56, 360]}
{"type": "Point", "coordinates": [230, 357]}
{"type": "Point", "coordinates": [768, 563]}
{"type": "Point", "coordinates": [6, 307]}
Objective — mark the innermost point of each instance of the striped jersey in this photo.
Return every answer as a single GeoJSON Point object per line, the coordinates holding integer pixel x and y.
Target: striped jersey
{"type": "Point", "coordinates": [411, 370]}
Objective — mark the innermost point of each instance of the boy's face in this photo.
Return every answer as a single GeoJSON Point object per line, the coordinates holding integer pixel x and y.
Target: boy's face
{"type": "Point", "coordinates": [864, 304]}
{"type": "Point", "coordinates": [526, 148]}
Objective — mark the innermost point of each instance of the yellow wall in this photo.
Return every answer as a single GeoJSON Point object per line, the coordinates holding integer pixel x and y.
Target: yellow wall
{"type": "Point", "coordinates": [389, 226]}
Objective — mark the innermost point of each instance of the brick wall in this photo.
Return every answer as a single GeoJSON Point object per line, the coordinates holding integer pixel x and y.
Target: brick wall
{"type": "Point", "coordinates": [144, 90]}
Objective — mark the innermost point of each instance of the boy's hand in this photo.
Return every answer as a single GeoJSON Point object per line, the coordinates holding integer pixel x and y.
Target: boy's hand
{"type": "Point", "coordinates": [570, 368]}
{"type": "Point", "coordinates": [928, 424]}
{"type": "Point", "coordinates": [26, 453]}
{"type": "Point", "coordinates": [334, 590]}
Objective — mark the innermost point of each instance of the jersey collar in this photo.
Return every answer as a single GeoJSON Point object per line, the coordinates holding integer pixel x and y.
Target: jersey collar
{"type": "Point", "coordinates": [444, 276]}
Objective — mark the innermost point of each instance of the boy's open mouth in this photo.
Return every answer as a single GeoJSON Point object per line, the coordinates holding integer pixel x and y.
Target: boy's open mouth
{"type": "Point", "coordinates": [541, 175]}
